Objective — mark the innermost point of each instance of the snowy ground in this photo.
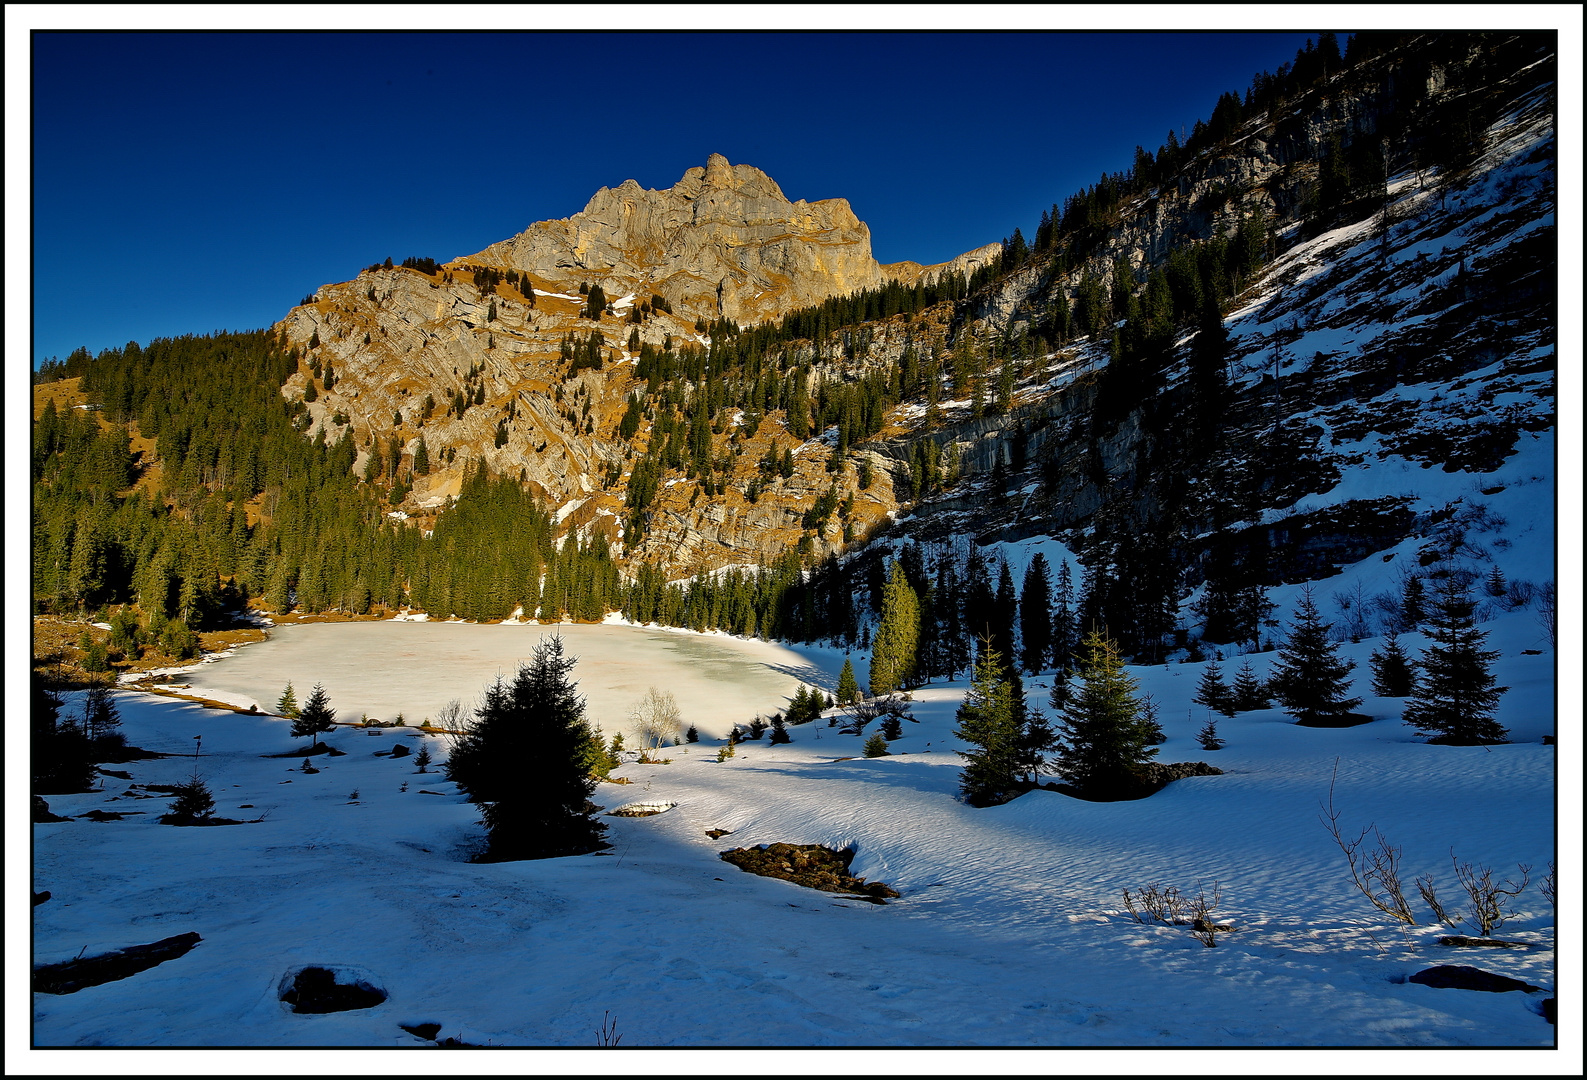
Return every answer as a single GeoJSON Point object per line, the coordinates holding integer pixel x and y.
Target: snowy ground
{"type": "Point", "coordinates": [1010, 931]}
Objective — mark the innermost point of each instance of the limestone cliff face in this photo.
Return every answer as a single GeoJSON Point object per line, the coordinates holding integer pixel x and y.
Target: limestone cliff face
{"type": "Point", "coordinates": [724, 241]}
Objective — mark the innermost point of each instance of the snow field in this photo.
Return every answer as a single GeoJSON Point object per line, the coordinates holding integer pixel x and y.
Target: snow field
{"type": "Point", "coordinates": [1010, 931]}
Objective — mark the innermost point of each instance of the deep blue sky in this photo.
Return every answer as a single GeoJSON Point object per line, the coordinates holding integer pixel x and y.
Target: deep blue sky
{"type": "Point", "coordinates": [188, 182]}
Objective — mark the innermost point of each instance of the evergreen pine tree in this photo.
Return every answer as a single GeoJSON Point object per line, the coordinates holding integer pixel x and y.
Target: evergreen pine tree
{"type": "Point", "coordinates": [101, 717]}
{"type": "Point", "coordinates": [1456, 695]}
{"type": "Point", "coordinates": [526, 762]}
{"type": "Point", "coordinates": [1103, 737]}
{"type": "Point", "coordinates": [422, 759]}
{"type": "Point", "coordinates": [1005, 611]}
{"type": "Point", "coordinates": [987, 722]}
{"type": "Point", "coordinates": [1063, 621]}
{"type": "Point", "coordinates": [779, 729]}
{"type": "Point", "coordinates": [315, 717]}
{"type": "Point", "coordinates": [1310, 678]}
{"type": "Point", "coordinates": [1392, 672]}
{"type": "Point", "coordinates": [1208, 735]}
{"type": "Point", "coordinates": [876, 745]}
{"type": "Point", "coordinates": [1035, 614]}
{"type": "Point", "coordinates": [1413, 601]}
{"type": "Point", "coordinates": [1211, 693]}
{"type": "Point", "coordinates": [1249, 692]}
{"type": "Point", "coordinates": [848, 686]}
{"type": "Point", "coordinates": [1496, 584]}
{"type": "Point", "coordinates": [893, 651]}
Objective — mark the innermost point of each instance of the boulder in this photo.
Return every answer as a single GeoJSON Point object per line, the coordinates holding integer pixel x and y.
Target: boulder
{"type": "Point", "coordinates": [1461, 977]}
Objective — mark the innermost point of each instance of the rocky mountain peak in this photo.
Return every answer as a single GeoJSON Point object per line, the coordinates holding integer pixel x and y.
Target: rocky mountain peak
{"type": "Point", "coordinates": [724, 241]}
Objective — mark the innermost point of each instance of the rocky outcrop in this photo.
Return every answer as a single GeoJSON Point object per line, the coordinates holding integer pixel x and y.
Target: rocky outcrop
{"type": "Point", "coordinates": [724, 241]}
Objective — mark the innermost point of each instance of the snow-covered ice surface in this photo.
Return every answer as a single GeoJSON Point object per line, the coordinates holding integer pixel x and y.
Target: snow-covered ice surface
{"type": "Point", "coordinates": [1010, 931]}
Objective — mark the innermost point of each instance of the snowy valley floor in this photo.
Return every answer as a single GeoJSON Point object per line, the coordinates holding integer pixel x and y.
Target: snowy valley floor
{"type": "Point", "coordinates": [1010, 931]}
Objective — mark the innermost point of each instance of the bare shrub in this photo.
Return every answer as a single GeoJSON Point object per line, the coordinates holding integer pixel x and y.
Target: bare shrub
{"type": "Point", "coordinates": [1546, 609]}
{"type": "Point", "coordinates": [657, 720]}
{"type": "Point", "coordinates": [1545, 886]}
{"type": "Point", "coordinates": [451, 716]}
{"type": "Point", "coordinates": [1163, 904]}
{"type": "Point", "coordinates": [1375, 871]}
{"type": "Point", "coordinates": [862, 712]}
{"type": "Point", "coordinates": [1490, 900]}
{"type": "Point", "coordinates": [1424, 885]}
{"type": "Point", "coordinates": [1203, 915]}
{"type": "Point", "coordinates": [1518, 593]}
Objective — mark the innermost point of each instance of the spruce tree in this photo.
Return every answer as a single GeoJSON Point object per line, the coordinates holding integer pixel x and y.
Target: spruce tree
{"type": "Point", "coordinates": [315, 717]}
{"type": "Point", "coordinates": [1310, 679]}
{"type": "Point", "coordinates": [876, 746]}
{"type": "Point", "coordinates": [1413, 601]}
{"type": "Point", "coordinates": [1392, 672]}
{"type": "Point", "coordinates": [987, 722]}
{"type": "Point", "coordinates": [1063, 621]}
{"type": "Point", "coordinates": [101, 717]}
{"type": "Point", "coordinates": [1103, 736]}
{"type": "Point", "coordinates": [848, 686]}
{"type": "Point", "coordinates": [1005, 612]}
{"type": "Point", "coordinates": [1211, 693]}
{"type": "Point", "coordinates": [1248, 691]}
{"type": "Point", "coordinates": [893, 651]}
{"type": "Point", "coordinates": [526, 759]}
{"type": "Point", "coordinates": [1035, 614]}
{"type": "Point", "coordinates": [1208, 736]}
{"type": "Point", "coordinates": [1456, 694]}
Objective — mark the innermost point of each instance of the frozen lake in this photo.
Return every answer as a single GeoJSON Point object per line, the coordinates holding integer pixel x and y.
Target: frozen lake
{"type": "Point", "coordinates": [383, 668]}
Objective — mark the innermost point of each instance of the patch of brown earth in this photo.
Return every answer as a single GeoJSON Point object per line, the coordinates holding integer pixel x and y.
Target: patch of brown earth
{"type": "Point", "coordinates": [810, 865]}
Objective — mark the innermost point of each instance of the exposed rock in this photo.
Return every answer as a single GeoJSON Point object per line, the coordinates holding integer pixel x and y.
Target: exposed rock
{"type": "Point", "coordinates": [41, 812]}
{"type": "Point", "coordinates": [1462, 942]}
{"type": "Point", "coordinates": [1461, 977]}
{"type": "Point", "coordinates": [316, 989]}
{"type": "Point", "coordinates": [723, 242]}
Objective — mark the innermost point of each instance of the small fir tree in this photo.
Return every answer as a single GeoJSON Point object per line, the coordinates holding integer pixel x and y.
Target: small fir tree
{"type": "Point", "coordinates": [1208, 735]}
{"type": "Point", "coordinates": [848, 685]}
{"type": "Point", "coordinates": [692, 735]}
{"type": "Point", "coordinates": [1392, 672]}
{"type": "Point", "coordinates": [1248, 691]}
{"type": "Point", "coordinates": [1413, 601]}
{"type": "Point", "coordinates": [422, 758]}
{"type": "Point", "coordinates": [193, 803]}
{"type": "Point", "coordinates": [1036, 739]}
{"type": "Point", "coordinates": [988, 723]}
{"type": "Point", "coordinates": [1310, 679]}
{"type": "Point", "coordinates": [876, 745]}
{"type": "Point", "coordinates": [101, 717]}
{"type": "Point", "coordinates": [526, 762]}
{"type": "Point", "coordinates": [779, 729]}
{"type": "Point", "coordinates": [1211, 693]}
{"type": "Point", "coordinates": [1496, 584]}
{"type": "Point", "coordinates": [287, 705]}
{"type": "Point", "coordinates": [1456, 693]}
{"type": "Point", "coordinates": [1103, 738]}
{"type": "Point", "coordinates": [892, 728]}
{"type": "Point", "coordinates": [315, 718]}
